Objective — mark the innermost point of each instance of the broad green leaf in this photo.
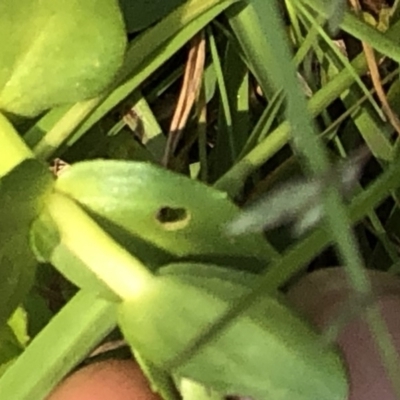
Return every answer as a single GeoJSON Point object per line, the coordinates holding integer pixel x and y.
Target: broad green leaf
{"type": "Point", "coordinates": [266, 353]}
{"type": "Point", "coordinates": [22, 193]}
{"type": "Point", "coordinates": [140, 14]}
{"type": "Point", "coordinates": [141, 205]}
{"type": "Point", "coordinates": [57, 52]}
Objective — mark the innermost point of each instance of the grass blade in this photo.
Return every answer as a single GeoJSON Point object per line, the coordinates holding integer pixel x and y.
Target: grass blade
{"type": "Point", "coordinates": [63, 343]}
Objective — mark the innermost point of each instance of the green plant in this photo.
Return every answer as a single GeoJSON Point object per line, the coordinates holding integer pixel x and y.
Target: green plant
{"type": "Point", "coordinates": [149, 250]}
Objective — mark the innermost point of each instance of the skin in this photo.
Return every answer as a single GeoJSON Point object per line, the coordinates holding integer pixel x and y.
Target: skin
{"type": "Point", "coordinates": [105, 380]}
{"type": "Point", "coordinates": [321, 295]}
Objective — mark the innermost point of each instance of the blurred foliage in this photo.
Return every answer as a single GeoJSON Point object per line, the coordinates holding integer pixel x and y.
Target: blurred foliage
{"type": "Point", "coordinates": [121, 187]}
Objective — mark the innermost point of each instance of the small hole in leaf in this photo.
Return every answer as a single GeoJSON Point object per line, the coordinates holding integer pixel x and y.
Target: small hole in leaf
{"type": "Point", "coordinates": [173, 218]}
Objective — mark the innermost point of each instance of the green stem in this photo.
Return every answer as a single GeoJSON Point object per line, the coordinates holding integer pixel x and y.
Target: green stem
{"type": "Point", "coordinates": [120, 270]}
{"type": "Point", "coordinates": [226, 109]}
{"type": "Point", "coordinates": [80, 325]}
{"type": "Point", "coordinates": [233, 180]}
{"type": "Point", "coordinates": [243, 19]}
{"type": "Point", "coordinates": [64, 128]}
{"type": "Point", "coordinates": [381, 42]}
{"type": "Point", "coordinates": [306, 141]}
{"type": "Point", "coordinates": [155, 46]}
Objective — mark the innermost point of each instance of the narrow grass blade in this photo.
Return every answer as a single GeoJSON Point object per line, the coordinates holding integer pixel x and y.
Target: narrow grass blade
{"type": "Point", "coordinates": [65, 341]}
{"type": "Point", "coordinates": [144, 55]}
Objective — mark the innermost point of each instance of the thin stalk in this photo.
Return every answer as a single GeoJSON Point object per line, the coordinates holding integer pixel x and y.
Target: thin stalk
{"type": "Point", "coordinates": [264, 123]}
{"type": "Point", "coordinates": [243, 20]}
{"type": "Point", "coordinates": [307, 143]}
{"type": "Point", "coordinates": [381, 42]}
{"type": "Point", "coordinates": [339, 224]}
{"type": "Point", "coordinates": [76, 329]}
{"type": "Point", "coordinates": [222, 90]}
{"type": "Point", "coordinates": [316, 24]}
{"type": "Point", "coordinates": [202, 135]}
{"type": "Point", "coordinates": [154, 47]}
{"type": "Point", "coordinates": [63, 129]}
{"type": "Point", "coordinates": [122, 272]}
{"type": "Point", "coordinates": [233, 180]}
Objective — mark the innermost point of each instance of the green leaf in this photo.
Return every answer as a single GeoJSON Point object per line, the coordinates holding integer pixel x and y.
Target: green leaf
{"type": "Point", "coordinates": [159, 379]}
{"type": "Point", "coordinates": [59, 347]}
{"type": "Point", "coordinates": [194, 391]}
{"type": "Point", "coordinates": [46, 242]}
{"type": "Point", "coordinates": [48, 247]}
{"type": "Point", "coordinates": [140, 14]}
{"type": "Point", "coordinates": [267, 353]}
{"type": "Point", "coordinates": [22, 193]}
{"type": "Point", "coordinates": [149, 208]}
{"type": "Point", "coordinates": [394, 95]}
{"type": "Point", "coordinates": [57, 52]}
{"type": "Point", "coordinates": [18, 322]}
{"type": "Point", "coordinates": [196, 273]}
{"type": "Point", "coordinates": [13, 149]}
{"type": "Point", "coordinates": [36, 305]}
{"type": "Point", "coordinates": [13, 338]}
{"type": "Point", "coordinates": [10, 348]}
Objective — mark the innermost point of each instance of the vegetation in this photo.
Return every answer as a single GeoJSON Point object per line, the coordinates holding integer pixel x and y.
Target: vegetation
{"type": "Point", "coordinates": [131, 137]}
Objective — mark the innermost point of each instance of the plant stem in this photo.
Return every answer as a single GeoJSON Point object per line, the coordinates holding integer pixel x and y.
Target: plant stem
{"type": "Point", "coordinates": [351, 24]}
{"type": "Point", "coordinates": [233, 180]}
{"type": "Point", "coordinates": [76, 329]}
{"type": "Point", "coordinates": [338, 222]}
{"type": "Point", "coordinates": [64, 128]}
{"type": "Point", "coordinates": [121, 271]}
{"type": "Point", "coordinates": [155, 46]}
{"type": "Point", "coordinates": [243, 19]}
